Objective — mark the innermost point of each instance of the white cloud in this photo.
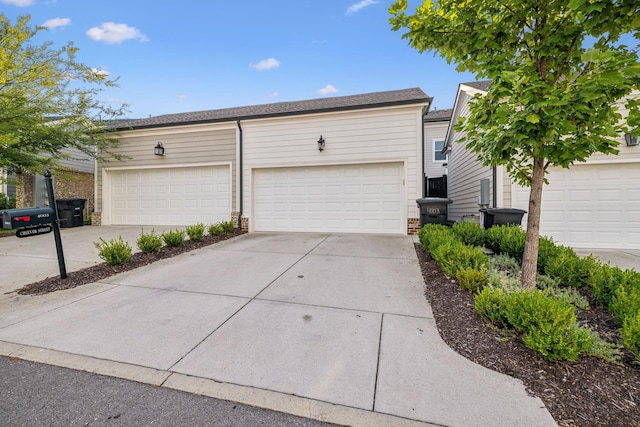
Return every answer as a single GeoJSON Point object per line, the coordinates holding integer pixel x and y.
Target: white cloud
{"type": "Point", "coordinates": [112, 33]}
{"type": "Point", "coordinates": [328, 89]}
{"type": "Point", "coordinates": [272, 95]}
{"type": "Point", "coordinates": [100, 72]}
{"type": "Point", "coordinates": [19, 3]}
{"type": "Point", "coordinates": [360, 5]}
{"type": "Point", "coordinates": [182, 96]}
{"type": "Point", "coordinates": [265, 64]}
{"type": "Point", "coordinates": [57, 23]}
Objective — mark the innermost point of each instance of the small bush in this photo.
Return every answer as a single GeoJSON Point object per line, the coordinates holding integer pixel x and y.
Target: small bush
{"type": "Point", "coordinates": [491, 304]}
{"type": "Point", "coordinates": [456, 256]}
{"type": "Point", "coordinates": [196, 232]}
{"type": "Point", "coordinates": [568, 269]}
{"type": "Point", "coordinates": [114, 252]}
{"type": "Point", "coordinates": [7, 202]}
{"type": "Point", "coordinates": [625, 302]}
{"type": "Point", "coordinates": [607, 279]}
{"type": "Point", "coordinates": [507, 239]}
{"type": "Point", "coordinates": [570, 296]}
{"type": "Point", "coordinates": [215, 229]}
{"type": "Point", "coordinates": [503, 281]}
{"type": "Point", "coordinates": [149, 242]}
{"type": "Point", "coordinates": [631, 333]}
{"type": "Point", "coordinates": [472, 280]}
{"type": "Point", "coordinates": [173, 238]}
{"type": "Point", "coordinates": [547, 250]}
{"type": "Point", "coordinates": [504, 263]}
{"type": "Point", "coordinates": [560, 344]}
{"type": "Point", "coordinates": [227, 226]}
{"type": "Point", "coordinates": [433, 235]}
{"type": "Point", "coordinates": [470, 233]}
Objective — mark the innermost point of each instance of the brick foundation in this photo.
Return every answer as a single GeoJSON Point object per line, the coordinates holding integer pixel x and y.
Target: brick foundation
{"type": "Point", "coordinates": [96, 218]}
{"type": "Point", "coordinates": [245, 224]}
{"type": "Point", "coordinates": [413, 225]}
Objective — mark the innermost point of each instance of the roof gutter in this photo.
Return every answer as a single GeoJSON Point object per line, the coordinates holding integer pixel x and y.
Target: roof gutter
{"type": "Point", "coordinates": [240, 168]}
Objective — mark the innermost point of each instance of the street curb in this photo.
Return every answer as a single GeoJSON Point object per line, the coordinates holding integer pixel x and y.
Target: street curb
{"type": "Point", "coordinates": [265, 399]}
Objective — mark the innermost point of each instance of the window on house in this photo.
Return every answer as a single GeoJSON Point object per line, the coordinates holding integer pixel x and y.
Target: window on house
{"type": "Point", "coordinates": [438, 145]}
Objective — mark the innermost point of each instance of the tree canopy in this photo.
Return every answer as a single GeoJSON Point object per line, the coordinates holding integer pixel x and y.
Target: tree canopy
{"type": "Point", "coordinates": [559, 74]}
{"type": "Point", "coordinates": [48, 101]}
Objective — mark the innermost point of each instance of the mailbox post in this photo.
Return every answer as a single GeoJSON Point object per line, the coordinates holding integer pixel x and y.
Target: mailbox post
{"type": "Point", "coordinates": [56, 223]}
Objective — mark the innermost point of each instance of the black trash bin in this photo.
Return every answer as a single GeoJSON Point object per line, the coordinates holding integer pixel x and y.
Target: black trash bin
{"type": "Point", "coordinates": [502, 216]}
{"type": "Point", "coordinates": [433, 210]}
{"type": "Point", "coordinates": [71, 212]}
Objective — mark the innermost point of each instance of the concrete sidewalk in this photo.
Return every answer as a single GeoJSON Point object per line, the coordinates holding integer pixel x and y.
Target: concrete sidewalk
{"type": "Point", "coordinates": [330, 327]}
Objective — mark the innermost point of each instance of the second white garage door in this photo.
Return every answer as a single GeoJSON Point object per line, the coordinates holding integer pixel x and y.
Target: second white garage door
{"type": "Point", "coordinates": [590, 206]}
{"type": "Point", "coordinates": [366, 198]}
{"type": "Point", "coordinates": [170, 196]}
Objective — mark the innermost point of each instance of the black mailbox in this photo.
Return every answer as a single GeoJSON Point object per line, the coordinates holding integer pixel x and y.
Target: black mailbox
{"type": "Point", "coordinates": [26, 217]}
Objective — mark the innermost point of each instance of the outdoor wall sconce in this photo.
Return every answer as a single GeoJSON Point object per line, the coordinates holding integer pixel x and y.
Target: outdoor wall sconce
{"type": "Point", "coordinates": [321, 143]}
{"type": "Point", "coordinates": [631, 140]}
{"type": "Point", "coordinates": [158, 150]}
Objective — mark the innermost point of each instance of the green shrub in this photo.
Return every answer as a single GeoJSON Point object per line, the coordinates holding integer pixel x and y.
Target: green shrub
{"type": "Point", "coordinates": [625, 302]}
{"type": "Point", "coordinates": [114, 252]}
{"type": "Point", "coordinates": [456, 256]}
{"type": "Point", "coordinates": [570, 296]}
{"type": "Point", "coordinates": [7, 202]}
{"type": "Point", "coordinates": [568, 269]}
{"type": "Point", "coordinates": [472, 280]}
{"type": "Point", "coordinates": [560, 344]}
{"type": "Point", "coordinates": [470, 233]}
{"type": "Point", "coordinates": [227, 226]}
{"type": "Point", "coordinates": [433, 235]}
{"type": "Point", "coordinates": [631, 333]}
{"type": "Point", "coordinates": [174, 238]}
{"type": "Point", "coordinates": [507, 239]}
{"type": "Point", "coordinates": [607, 279]}
{"type": "Point", "coordinates": [491, 304]}
{"type": "Point", "coordinates": [547, 250]}
{"type": "Point", "coordinates": [196, 232]}
{"type": "Point", "coordinates": [215, 229]}
{"type": "Point", "coordinates": [149, 242]}
{"type": "Point", "coordinates": [500, 280]}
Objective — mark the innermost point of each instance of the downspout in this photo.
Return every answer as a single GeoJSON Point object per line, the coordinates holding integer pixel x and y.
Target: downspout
{"type": "Point", "coordinates": [495, 187]}
{"type": "Point", "coordinates": [240, 178]}
{"type": "Point", "coordinates": [425, 110]}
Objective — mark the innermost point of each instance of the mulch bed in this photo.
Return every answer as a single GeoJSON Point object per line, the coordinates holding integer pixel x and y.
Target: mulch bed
{"type": "Point", "coordinates": [101, 271]}
{"type": "Point", "coordinates": [588, 392]}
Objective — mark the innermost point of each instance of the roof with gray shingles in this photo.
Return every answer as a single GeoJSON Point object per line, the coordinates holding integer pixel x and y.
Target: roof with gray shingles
{"type": "Point", "coordinates": [338, 103]}
{"type": "Point", "coordinates": [439, 115]}
{"type": "Point", "coordinates": [482, 85]}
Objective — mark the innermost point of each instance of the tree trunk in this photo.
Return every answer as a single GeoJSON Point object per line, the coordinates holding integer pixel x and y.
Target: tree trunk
{"type": "Point", "coordinates": [530, 257]}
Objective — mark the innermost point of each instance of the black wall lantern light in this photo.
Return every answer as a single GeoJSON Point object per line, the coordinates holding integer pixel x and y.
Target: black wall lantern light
{"type": "Point", "coordinates": [321, 143]}
{"type": "Point", "coordinates": [631, 140]}
{"type": "Point", "coordinates": [158, 150]}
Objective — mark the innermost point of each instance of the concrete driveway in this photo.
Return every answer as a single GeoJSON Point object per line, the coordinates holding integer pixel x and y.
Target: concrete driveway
{"type": "Point", "coordinates": [331, 327]}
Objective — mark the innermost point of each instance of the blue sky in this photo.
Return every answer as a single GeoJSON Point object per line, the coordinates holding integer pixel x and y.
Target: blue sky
{"type": "Point", "coordinates": [197, 55]}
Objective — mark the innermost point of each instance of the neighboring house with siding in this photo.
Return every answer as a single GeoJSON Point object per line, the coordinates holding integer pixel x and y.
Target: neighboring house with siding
{"type": "Point", "coordinates": [436, 123]}
{"type": "Point", "coordinates": [595, 204]}
{"type": "Point", "coordinates": [264, 166]}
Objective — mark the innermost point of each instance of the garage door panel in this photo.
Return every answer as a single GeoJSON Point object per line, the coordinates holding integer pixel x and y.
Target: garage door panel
{"type": "Point", "coordinates": [179, 196]}
{"type": "Point", "coordinates": [590, 206]}
{"type": "Point", "coordinates": [347, 198]}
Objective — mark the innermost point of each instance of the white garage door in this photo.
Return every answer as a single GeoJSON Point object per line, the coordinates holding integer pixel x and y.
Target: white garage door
{"type": "Point", "coordinates": [591, 206]}
{"type": "Point", "coordinates": [350, 198]}
{"type": "Point", "coordinates": [170, 196]}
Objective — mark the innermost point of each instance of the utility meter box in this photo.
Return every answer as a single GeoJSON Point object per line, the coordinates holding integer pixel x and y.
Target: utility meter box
{"type": "Point", "coordinates": [26, 217]}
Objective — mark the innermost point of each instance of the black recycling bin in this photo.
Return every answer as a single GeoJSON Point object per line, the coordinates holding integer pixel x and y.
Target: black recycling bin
{"type": "Point", "coordinates": [433, 210]}
{"type": "Point", "coordinates": [71, 212]}
{"type": "Point", "coordinates": [502, 216]}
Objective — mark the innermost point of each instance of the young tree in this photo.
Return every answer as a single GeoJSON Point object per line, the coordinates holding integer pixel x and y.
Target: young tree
{"type": "Point", "coordinates": [558, 73]}
{"type": "Point", "coordinates": [47, 101]}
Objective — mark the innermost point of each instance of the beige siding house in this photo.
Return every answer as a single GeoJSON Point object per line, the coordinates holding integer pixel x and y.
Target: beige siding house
{"type": "Point", "coordinates": [595, 204]}
{"type": "Point", "coordinates": [341, 164]}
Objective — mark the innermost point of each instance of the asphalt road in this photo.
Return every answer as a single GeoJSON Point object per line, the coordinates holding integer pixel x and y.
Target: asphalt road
{"type": "Point", "coordinates": [33, 394]}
